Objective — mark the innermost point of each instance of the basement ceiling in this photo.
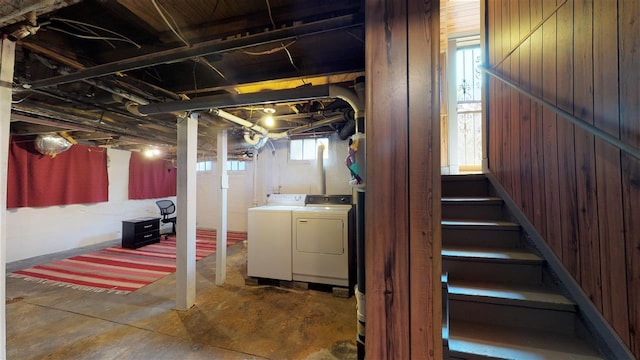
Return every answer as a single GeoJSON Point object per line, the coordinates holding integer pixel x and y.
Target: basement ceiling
{"type": "Point", "coordinates": [89, 67]}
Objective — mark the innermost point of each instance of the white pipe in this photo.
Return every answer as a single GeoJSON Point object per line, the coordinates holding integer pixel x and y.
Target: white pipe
{"type": "Point", "coordinates": [320, 163]}
{"type": "Point", "coordinates": [240, 121]}
{"type": "Point", "coordinates": [350, 97]}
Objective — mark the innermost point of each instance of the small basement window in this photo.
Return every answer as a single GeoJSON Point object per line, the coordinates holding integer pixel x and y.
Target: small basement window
{"type": "Point", "coordinates": [235, 165]}
{"type": "Point", "coordinates": [307, 149]}
{"type": "Point", "coordinates": [204, 165]}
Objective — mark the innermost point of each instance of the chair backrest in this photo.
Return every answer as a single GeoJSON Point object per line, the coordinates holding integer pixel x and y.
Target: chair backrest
{"type": "Point", "coordinates": [167, 207]}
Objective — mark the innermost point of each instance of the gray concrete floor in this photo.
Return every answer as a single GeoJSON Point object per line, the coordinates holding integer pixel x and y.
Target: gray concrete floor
{"type": "Point", "coordinates": [235, 321]}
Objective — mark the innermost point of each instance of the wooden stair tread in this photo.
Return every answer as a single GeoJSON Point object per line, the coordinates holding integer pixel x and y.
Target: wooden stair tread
{"type": "Point", "coordinates": [490, 254]}
{"type": "Point", "coordinates": [496, 342]}
{"type": "Point", "coordinates": [465, 177]}
{"type": "Point", "coordinates": [479, 224]}
{"type": "Point", "coordinates": [509, 294]}
{"type": "Point", "coordinates": [476, 200]}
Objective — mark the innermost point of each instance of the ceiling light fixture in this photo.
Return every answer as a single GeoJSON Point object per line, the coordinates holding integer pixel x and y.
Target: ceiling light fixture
{"type": "Point", "coordinates": [268, 121]}
{"type": "Point", "coordinates": [152, 153]}
{"type": "Point", "coordinates": [269, 109]}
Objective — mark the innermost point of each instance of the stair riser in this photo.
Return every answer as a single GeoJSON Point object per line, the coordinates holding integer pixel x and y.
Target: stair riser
{"type": "Point", "coordinates": [454, 236]}
{"type": "Point", "coordinates": [469, 188]}
{"type": "Point", "coordinates": [554, 321]}
{"type": "Point", "coordinates": [472, 211]}
{"type": "Point", "coordinates": [509, 273]}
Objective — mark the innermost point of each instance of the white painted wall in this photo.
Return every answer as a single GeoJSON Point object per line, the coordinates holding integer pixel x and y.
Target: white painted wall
{"type": "Point", "coordinates": [33, 232]}
{"type": "Point", "coordinates": [276, 173]}
{"type": "Point", "coordinates": [38, 231]}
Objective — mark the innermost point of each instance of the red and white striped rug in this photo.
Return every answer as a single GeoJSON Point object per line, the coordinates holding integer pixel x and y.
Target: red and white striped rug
{"type": "Point", "coordinates": [119, 270]}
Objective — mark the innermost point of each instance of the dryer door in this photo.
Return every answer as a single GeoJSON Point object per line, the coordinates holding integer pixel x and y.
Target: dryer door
{"type": "Point", "coordinates": [320, 236]}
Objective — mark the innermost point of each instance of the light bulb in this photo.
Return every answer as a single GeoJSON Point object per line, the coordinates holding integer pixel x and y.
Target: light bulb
{"type": "Point", "coordinates": [268, 121]}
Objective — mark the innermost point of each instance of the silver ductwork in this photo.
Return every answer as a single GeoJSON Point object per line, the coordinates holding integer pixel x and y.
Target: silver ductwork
{"type": "Point", "coordinates": [51, 144]}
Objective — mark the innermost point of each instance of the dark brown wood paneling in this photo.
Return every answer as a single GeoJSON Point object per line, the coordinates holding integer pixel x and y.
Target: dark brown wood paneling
{"type": "Point", "coordinates": [566, 139]}
{"type": "Point", "coordinates": [514, 143]}
{"type": "Point", "coordinates": [608, 177]}
{"type": "Point", "coordinates": [386, 219]}
{"type": "Point", "coordinates": [583, 194]}
{"type": "Point", "coordinates": [525, 170]}
{"type": "Point", "coordinates": [537, 125]}
{"type": "Point", "coordinates": [424, 181]}
{"type": "Point", "coordinates": [629, 89]}
{"type": "Point", "coordinates": [402, 253]}
{"type": "Point", "coordinates": [589, 243]}
{"type": "Point", "coordinates": [550, 142]}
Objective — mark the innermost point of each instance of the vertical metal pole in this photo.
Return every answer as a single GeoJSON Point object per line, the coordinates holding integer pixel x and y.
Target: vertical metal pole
{"type": "Point", "coordinates": [221, 232]}
{"type": "Point", "coordinates": [7, 59]}
{"type": "Point", "coordinates": [186, 224]}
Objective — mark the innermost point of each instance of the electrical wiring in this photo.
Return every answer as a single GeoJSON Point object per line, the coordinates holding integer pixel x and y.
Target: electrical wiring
{"type": "Point", "coordinates": [120, 37]}
{"type": "Point", "coordinates": [283, 47]}
{"type": "Point", "coordinates": [166, 21]}
{"type": "Point", "coordinates": [87, 37]}
{"type": "Point", "coordinates": [271, 51]}
{"type": "Point", "coordinates": [175, 29]}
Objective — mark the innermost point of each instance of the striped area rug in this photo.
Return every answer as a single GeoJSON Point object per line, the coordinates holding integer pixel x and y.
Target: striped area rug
{"type": "Point", "coordinates": [119, 270]}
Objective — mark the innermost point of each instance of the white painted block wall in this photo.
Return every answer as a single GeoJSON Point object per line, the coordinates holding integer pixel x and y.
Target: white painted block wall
{"type": "Point", "coordinates": [33, 232]}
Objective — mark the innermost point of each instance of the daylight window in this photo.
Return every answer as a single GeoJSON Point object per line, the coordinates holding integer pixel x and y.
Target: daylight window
{"type": "Point", "coordinates": [204, 165]}
{"type": "Point", "coordinates": [307, 149]}
{"type": "Point", "coordinates": [234, 165]}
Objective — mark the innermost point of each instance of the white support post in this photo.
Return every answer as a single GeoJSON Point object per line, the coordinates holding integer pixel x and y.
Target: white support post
{"type": "Point", "coordinates": [186, 212]}
{"type": "Point", "coordinates": [7, 59]}
{"type": "Point", "coordinates": [221, 231]}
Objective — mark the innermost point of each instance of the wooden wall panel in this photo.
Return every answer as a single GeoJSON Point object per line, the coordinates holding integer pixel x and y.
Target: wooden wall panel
{"type": "Point", "coordinates": [608, 176]}
{"type": "Point", "coordinates": [581, 194]}
{"type": "Point", "coordinates": [549, 123]}
{"type": "Point", "coordinates": [402, 212]}
{"type": "Point", "coordinates": [629, 89]}
{"type": "Point", "coordinates": [566, 138]}
{"type": "Point", "coordinates": [589, 246]}
{"type": "Point", "coordinates": [514, 59]}
{"type": "Point", "coordinates": [525, 171]}
{"type": "Point", "coordinates": [537, 125]}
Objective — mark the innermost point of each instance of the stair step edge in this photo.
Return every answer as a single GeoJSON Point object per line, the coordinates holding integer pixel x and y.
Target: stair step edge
{"type": "Point", "coordinates": [491, 255]}
{"type": "Point", "coordinates": [510, 295]}
{"type": "Point", "coordinates": [470, 177]}
{"type": "Point", "coordinates": [479, 224]}
{"type": "Point", "coordinates": [495, 342]}
{"type": "Point", "coordinates": [471, 200]}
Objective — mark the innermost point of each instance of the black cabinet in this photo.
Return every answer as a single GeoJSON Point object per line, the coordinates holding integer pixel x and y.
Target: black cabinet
{"type": "Point", "coordinates": [140, 232]}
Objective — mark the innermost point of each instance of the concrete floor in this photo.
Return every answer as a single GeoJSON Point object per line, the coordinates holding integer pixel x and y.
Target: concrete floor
{"type": "Point", "coordinates": [235, 321]}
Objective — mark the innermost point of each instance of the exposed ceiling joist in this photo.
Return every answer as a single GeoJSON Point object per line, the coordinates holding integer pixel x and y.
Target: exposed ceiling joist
{"type": "Point", "coordinates": [206, 48]}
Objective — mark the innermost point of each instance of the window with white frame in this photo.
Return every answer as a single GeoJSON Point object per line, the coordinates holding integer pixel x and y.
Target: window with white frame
{"type": "Point", "coordinates": [235, 165]}
{"type": "Point", "coordinates": [307, 149]}
{"type": "Point", "coordinates": [204, 165]}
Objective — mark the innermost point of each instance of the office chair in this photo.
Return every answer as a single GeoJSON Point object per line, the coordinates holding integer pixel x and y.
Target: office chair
{"type": "Point", "coordinates": [167, 207]}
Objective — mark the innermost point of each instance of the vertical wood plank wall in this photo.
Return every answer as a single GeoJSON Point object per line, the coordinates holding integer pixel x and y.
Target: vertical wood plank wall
{"type": "Point", "coordinates": [582, 194]}
{"type": "Point", "coordinates": [402, 213]}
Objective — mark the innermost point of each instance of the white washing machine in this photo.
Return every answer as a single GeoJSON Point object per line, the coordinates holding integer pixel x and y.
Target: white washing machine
{"type": "Point", "coordinates": [323, 240]}
{"type": "Point", "coordinates": [269, 237]}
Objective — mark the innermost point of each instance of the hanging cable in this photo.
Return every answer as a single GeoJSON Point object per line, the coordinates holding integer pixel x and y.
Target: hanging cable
{"type": "Point", "coordinates": [119, 36]}
{"type": "Point", "coordinates": [283, 47]}
{"type": "Point", "coordinates": [161, 13]}
{"type": "Point", "coordinates": [176, 31]}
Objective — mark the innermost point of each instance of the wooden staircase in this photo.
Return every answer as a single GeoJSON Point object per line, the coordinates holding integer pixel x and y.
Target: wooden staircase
{"type": "Point", "coordinates": [501, 301]}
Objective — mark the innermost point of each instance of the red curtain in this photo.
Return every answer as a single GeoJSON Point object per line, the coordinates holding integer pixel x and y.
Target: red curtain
{"type": "Point", "coordinates": [150, 178]}
{"type": "Point", "coordinates": [76, 176]}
